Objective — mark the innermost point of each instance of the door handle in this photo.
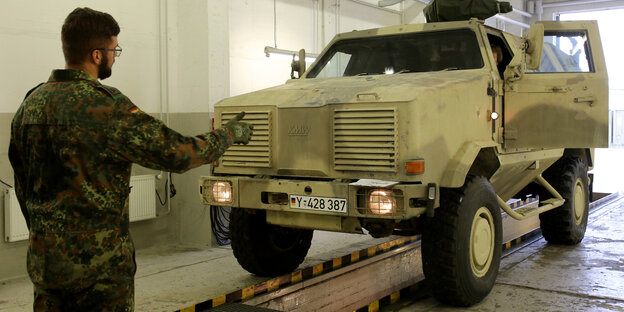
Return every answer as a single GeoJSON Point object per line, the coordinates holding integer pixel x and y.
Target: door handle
{"type": "Point", "coordinates": [585, 99]}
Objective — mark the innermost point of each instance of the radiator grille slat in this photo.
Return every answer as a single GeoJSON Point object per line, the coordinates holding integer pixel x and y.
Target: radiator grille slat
{"type": "Point", "coordinates": [257, 153]}
{"type": "Point", "coordinates": [365, 139]}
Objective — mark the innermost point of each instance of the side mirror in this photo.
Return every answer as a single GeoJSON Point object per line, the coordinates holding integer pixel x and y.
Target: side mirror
{"type": "Point", "coordinates": [298, 66]}
{"type": "Point", "coordinates": [533, 46]}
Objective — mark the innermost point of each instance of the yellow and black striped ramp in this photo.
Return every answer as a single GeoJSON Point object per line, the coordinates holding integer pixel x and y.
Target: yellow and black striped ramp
{"type": "Point", "coordinates": [299, 276]}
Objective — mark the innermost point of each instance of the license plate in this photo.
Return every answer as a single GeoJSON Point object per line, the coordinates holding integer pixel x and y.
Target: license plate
{"type": "Point", "coordinates": [325, 204]}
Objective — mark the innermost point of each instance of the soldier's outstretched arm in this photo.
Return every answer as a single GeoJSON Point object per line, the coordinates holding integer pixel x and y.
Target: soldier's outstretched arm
{"type": "Point", "coordinates": [139, 138]}
{"type": "Point", "coordinates": [241, 131]}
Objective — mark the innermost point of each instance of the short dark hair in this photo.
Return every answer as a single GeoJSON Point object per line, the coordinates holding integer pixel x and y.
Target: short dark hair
{"type": "Point", "coordinates": [85, 30]}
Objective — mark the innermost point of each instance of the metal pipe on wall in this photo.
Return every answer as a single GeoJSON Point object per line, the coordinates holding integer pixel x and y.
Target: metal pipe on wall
{"type": "Point", "coordinates": [163, 24]}
{"type": "Point", "coordinates": [337, 12]}
{"type": "Point", "coordinates": [523, 13]}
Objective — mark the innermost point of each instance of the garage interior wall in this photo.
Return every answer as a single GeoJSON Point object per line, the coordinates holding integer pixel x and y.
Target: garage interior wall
{"type": "Point", "coordinates": [179, 59]}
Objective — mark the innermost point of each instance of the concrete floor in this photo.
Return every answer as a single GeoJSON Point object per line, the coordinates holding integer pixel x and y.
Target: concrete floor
{"type": "Point", "coordinates": [174, 277]}
{"type": "Point", "coordinates": [544, 277]}
{"type": "Point", "coordinates": [540, 277]}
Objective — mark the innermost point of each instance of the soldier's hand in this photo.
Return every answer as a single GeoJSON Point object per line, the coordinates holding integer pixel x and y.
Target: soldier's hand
{"type": "Point", "coordinates": [242, 131]}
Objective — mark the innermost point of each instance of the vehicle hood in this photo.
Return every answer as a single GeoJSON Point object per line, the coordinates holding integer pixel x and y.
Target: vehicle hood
{"type": "Point", "coordinates": [375, 88]}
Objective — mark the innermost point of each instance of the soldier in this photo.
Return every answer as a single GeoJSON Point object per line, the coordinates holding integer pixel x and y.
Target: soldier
{"type": "Point", "coordinates": [73, 142]}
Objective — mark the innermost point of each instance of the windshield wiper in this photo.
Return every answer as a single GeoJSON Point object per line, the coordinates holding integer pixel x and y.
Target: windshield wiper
{"type": "Point", "coordinates": [403, 71]}
{"type": "Point", "coordinates": [450, 69]}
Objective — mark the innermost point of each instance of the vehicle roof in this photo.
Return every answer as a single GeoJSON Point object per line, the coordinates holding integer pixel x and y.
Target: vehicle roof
{"type": "Point", "coordinates": [409, 28]}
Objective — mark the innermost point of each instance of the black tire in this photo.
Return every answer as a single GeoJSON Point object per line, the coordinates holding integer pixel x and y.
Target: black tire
{"type": "Point", "coordinates": [566, 224]}
{"type": "Point", "coordinates": [265, 249]}
{"type": "Point", "coordinates": [458, 270]}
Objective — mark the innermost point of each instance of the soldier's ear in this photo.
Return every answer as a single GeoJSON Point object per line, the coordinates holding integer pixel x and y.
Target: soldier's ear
{"type": "Point", "coordinates": [96, 57]}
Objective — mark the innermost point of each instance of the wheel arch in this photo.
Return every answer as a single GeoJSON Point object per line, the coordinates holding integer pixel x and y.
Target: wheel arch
{"type": "Point", "coordinates": [478, 158]}
{"type": "Point", "coordinates": [585, 154]}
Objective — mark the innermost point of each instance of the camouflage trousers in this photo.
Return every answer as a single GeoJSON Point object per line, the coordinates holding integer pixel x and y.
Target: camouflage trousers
{"type": "Point", "coordinates": [82, 271]}
{"type": "Point", "coordinates": [102, 296]}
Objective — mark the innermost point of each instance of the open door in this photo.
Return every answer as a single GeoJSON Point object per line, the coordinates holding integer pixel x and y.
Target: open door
{"type": "Point", "coordinates": [563, 103]}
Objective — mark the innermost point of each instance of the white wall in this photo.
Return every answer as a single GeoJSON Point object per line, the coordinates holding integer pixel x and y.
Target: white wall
{"type": "Point", "coordinates": [32, 31]}
{"type": "Point", "coordinates": [308, 24]}
{"type": "Point", "coordinates": [252, 28]}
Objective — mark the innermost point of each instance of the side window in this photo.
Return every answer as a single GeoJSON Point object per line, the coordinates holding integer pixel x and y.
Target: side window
{"type": "Point", "coordinates": [501, 52]}
{"type": "Point", "coordinates": [566, 52]}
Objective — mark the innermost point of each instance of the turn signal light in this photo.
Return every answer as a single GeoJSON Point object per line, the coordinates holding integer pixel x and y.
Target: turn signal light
{"type": "Point", "coordinates": [415, 166]}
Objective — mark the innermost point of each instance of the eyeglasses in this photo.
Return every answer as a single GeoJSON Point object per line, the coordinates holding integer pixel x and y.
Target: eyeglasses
{"type": "Point", "coordinates": [117, 50]}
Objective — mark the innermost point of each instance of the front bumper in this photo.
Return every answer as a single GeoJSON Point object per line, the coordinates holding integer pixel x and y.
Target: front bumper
{"type": "Point", "coordinates": [275, 195]}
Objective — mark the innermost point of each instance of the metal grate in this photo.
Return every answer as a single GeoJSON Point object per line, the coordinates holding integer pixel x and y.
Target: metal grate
{"type": "Point", "coordinates": [379, 202]}
{"type": "Point", "coordinates": [365, 139]}
{"type": "Point", "coordinates": [258, 152]}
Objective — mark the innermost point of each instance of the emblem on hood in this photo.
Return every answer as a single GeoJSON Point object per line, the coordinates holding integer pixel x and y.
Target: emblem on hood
{"type": "Point", "coordinates": [298, 130]}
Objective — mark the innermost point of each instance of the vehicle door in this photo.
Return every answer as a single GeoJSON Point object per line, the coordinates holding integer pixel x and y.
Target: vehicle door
{"type": "Point", "coordinates": [564, 103]}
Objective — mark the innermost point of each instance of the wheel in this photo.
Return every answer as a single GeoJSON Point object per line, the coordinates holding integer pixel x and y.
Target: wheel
{"type": "Point", "coordinates": [265, 249]}
{"type": "Point", "coordinates": [566, 224]}
{"type": "Point", "coordinates": [461, 244]}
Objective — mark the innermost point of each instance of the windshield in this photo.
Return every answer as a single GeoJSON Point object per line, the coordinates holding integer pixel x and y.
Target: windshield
{"type": "Point", "coordinates": [414, 52]}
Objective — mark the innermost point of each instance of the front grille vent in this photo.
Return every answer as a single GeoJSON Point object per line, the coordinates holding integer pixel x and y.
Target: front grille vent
{"type": "Point", "coordinates": [258, 152]}
{"type": "Point", "coordinates": [365, 139]}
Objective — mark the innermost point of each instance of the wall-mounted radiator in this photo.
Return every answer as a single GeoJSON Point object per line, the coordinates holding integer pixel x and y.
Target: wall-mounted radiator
{"type": "Point", "coordinates": [15, 228]}
{"type": "Point", "coordinates": [142, 197]}
{"type": "Point", "coordinates": [142, 207]}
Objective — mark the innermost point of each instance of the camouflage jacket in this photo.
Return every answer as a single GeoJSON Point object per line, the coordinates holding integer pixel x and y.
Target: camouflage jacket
{"type": "Point", "coordinates": [73, 142]}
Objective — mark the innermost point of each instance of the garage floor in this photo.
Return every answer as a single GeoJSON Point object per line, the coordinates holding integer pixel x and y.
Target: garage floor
{"type": "Point", "coordinates": [540, 277]}
{"type": "Point", "coordinates": [544, 277]}
{"type": "Point", "coordinates": [174, 277]}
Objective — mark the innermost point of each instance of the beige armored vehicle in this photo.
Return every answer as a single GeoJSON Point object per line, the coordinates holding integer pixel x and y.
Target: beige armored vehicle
{"type": "Point", "coordinates": [419, 129]}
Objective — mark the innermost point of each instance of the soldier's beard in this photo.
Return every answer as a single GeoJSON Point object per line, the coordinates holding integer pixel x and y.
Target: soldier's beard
{"type": "Point", "coordinates": [103, 70]}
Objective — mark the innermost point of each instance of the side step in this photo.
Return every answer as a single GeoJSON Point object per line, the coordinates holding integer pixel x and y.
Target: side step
{"type": "Point", "coordinates": [527, 212]}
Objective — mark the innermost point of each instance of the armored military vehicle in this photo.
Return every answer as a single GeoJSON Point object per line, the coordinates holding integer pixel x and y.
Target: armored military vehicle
{"type": "Point", "coordinates": [418, 129]}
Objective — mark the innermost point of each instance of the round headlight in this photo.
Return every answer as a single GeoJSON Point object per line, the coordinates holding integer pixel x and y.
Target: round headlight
{"type": "Point", "coordinates": [381, 202]}
{"type": "Point", "coordinates": [222, 192]}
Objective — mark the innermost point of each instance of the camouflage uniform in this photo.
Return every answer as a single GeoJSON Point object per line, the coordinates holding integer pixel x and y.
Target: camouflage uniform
{"type": "Point", "coordinates": [73, 142]}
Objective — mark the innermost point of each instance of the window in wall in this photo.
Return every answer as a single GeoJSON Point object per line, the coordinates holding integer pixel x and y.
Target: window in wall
{"type": "Point", "coordinates": [617, 128]}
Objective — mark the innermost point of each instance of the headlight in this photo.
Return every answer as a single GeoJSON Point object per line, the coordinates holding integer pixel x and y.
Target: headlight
{"type": "Point", "coordinates": [381, 202]}
{"type": "Point", "coordinates": [222, 192]}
